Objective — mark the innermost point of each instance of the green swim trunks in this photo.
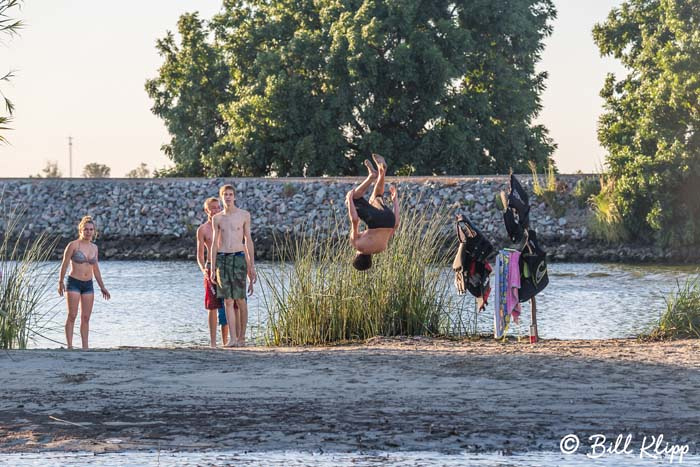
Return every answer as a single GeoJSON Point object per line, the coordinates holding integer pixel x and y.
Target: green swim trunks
{"type": "Point", "coordinates": [231, 272]}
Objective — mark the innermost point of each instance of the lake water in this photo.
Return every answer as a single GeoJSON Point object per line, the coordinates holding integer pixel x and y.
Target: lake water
{"type": "Point", "coordinates": [294, 459]}
{"type": "Point", "coordinates": [160, 304]}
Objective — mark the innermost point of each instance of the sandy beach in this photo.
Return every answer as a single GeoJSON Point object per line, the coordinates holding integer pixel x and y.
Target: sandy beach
{"type": "Point", "coordinates": [407, 394]}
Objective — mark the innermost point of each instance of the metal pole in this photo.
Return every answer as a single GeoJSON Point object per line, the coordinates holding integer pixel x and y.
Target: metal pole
{"type": "Point", "coordinates": [70, 156]}
{"type": "Point", "coordinates": [533, 322]}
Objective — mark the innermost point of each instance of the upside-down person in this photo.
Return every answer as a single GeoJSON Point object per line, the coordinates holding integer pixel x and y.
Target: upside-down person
{"type": "Point", "coordinates": [381, 222]}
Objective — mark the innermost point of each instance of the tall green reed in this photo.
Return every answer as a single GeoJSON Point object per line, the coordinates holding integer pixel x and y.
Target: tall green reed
{"type": "Point", "coordinates": [315, 296]}
{"type": "Point", "coordinates": [605, 222]}
{"type": "Point", "coordinates": [682, 316]}
{"type": "Point", "coordinates": [24, 281]}
{"type": "Point", "coordinates": [549, 192]}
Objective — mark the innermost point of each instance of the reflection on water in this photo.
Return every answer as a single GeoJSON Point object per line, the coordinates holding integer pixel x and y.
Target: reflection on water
{"type": "Point", "coordinates": [292, 459]}
{"type": "Point", "coordinates": [156, 304]}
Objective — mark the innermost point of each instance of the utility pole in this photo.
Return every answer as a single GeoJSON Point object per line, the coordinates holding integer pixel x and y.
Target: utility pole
{"type": "Point", "coordinates": [70, 156]}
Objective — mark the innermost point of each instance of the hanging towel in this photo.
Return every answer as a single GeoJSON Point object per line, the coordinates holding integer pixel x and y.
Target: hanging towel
{"type": "Point", "coordinates": [513, 285]}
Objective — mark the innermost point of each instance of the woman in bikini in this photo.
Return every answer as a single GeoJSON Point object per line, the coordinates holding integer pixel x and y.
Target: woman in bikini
{"type": "Point", "coordinates": [82, 254]}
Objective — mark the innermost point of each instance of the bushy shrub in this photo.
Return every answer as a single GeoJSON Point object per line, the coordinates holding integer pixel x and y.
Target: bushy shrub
{"type": "Point", "coordinates": [315, 296]}
{"type": "Point", "coordinates": [551, 192]}
{"type": "Point", "coordinates": [606, 222]}
{"type": "Point", "coordinates": [585, 189]}
{"type": "Point", "coordinates": [682, 317]}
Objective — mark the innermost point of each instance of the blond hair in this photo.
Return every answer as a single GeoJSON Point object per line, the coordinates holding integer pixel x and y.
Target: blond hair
{"type": "Point", "coordinates": [224, 188]}
{"type": "Point", "coordinates": [208, 201]}
{"type": "Point", "coordinates": [83, 222]}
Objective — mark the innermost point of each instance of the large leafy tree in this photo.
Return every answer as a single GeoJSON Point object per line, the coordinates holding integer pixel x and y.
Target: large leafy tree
{"type": "Point", "coordinates": [436, 86]}
{"type": "Point", "coordinates": [651, 122]}
{"type": "Point", "coordinates": [190, 86]}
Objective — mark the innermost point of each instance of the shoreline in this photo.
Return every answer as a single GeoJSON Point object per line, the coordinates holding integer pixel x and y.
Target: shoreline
{"type": "Point", "coordinates": [164, 248]}
{"type": "Point", "coordinates": [387, 394]}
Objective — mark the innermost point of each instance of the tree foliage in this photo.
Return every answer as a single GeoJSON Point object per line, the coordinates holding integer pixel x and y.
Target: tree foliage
{"type": "Point", "coordinates": [96, 170]}
{"type": "Point", "coordinates": [651, 122]}
{"type": "Point", "coordinates": [190, 86]}
{"type": "Point", "coordinates": [315, 86]}
{"type": "Point", "coordinates": [50, 170]}
{"type": "Point", "coordinates": [8, 26]}
{"type": "Point", "coordinates": [141, 171]}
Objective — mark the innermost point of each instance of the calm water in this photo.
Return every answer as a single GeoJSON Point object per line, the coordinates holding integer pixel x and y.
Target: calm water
{"type": "Point", "coordinates": [156, 304]}
{"type": "Point", "coordinates": [294, 459]}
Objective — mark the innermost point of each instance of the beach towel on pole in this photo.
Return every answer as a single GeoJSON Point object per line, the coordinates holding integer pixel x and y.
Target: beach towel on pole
{"type": "Point", "coordinates": [533, 259]}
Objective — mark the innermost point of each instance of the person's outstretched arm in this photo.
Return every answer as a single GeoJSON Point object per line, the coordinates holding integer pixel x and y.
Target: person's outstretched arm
{"type": "Point", "coordinates": [67, 253]}
{"type": "Point", "coordinates": [354, 219]}
{"type": "Point", "coordinates": [395, 198]}
{"type": "Point", "coordinates": [214, 248]}
{"type": "Point", "coordinates": [250, 254]}
{"type": "Point", "coordinates": [98, 277]}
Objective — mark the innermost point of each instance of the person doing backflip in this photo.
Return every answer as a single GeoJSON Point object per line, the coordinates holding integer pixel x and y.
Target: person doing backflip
{"type": "Point", "coordinates": [380, 220]}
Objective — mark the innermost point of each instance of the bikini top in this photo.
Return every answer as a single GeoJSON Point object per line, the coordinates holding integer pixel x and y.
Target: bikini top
{"type": "Point", "coordinates": [80, 258]}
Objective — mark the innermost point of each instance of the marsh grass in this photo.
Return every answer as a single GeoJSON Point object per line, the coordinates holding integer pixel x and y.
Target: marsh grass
{"type": "Point", "coordinates": [681, 319]}
{"type": "Point", "coordinates": [549, 192]}
{"type": "Point", "coordinates": [316, 297]}
{"type": "Point", "coordinates": [24, 280]}
{"type": "Point", "coordinates": [606, 222]}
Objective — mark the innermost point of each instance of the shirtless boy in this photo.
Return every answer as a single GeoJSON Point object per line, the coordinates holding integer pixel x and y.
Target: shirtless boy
{"type": "Point", "coordinates": [212, 303]}
{"type": "Point", "coordinates": [380, 220]}
{"type": "Point", "coordinates": [233, 258]}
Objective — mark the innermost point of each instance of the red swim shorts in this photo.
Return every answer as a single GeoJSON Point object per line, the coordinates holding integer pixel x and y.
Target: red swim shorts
{"type": "Point", "coordinates": [211, 302]}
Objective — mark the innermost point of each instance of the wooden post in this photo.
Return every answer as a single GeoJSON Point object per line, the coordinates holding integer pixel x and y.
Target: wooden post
{"type": "Point", "coordinates": [533, 322]}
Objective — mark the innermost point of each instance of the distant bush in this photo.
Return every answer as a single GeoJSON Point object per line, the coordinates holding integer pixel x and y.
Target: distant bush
{"type": "Point", "coordinates": [551, 190]}
{"type": "Point", "coordinates": [289, 190]}
{"type": "Point", "coordinates": [606, 222]}
{"type": "Point", "coordinates": [585, 189]}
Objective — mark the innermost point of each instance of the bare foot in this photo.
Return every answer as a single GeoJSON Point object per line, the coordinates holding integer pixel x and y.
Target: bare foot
{"type": "Point", "coordinates": [379, 160]}
{"type": "Point", "coordinates": [370, 169]}
{"type": "Point", "coordinates": [230, 345]}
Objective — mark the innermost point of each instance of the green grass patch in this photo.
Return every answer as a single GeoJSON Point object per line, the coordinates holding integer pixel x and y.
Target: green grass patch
{"type": "Point", "coordinates": [606, 222]}
{"type": "Point", "coordinates": [24, 280]}
{"type": "Point", "coordinates": [585, 189]}
{"type": "Point", "coordinates": [681, 320]}
{"type": "Point", "coordinates": [316, 297]}
{"type": "Point", "coordinates": [549, 191]}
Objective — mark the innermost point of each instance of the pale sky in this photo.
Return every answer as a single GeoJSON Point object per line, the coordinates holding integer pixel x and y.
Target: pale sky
{"type": "Point", "coordinates": [81, 66]}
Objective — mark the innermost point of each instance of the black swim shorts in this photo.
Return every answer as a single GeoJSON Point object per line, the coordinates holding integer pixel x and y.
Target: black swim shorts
{"type": "Point", "coordinates": [376, 215]}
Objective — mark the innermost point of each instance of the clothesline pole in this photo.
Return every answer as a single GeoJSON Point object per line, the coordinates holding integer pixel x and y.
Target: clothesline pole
{"type": "Point", "coordinates": [533, 321]}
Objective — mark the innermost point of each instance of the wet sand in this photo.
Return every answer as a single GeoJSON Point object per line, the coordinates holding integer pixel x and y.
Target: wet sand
{"type": "Point", "coordinates": [408, 394]}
